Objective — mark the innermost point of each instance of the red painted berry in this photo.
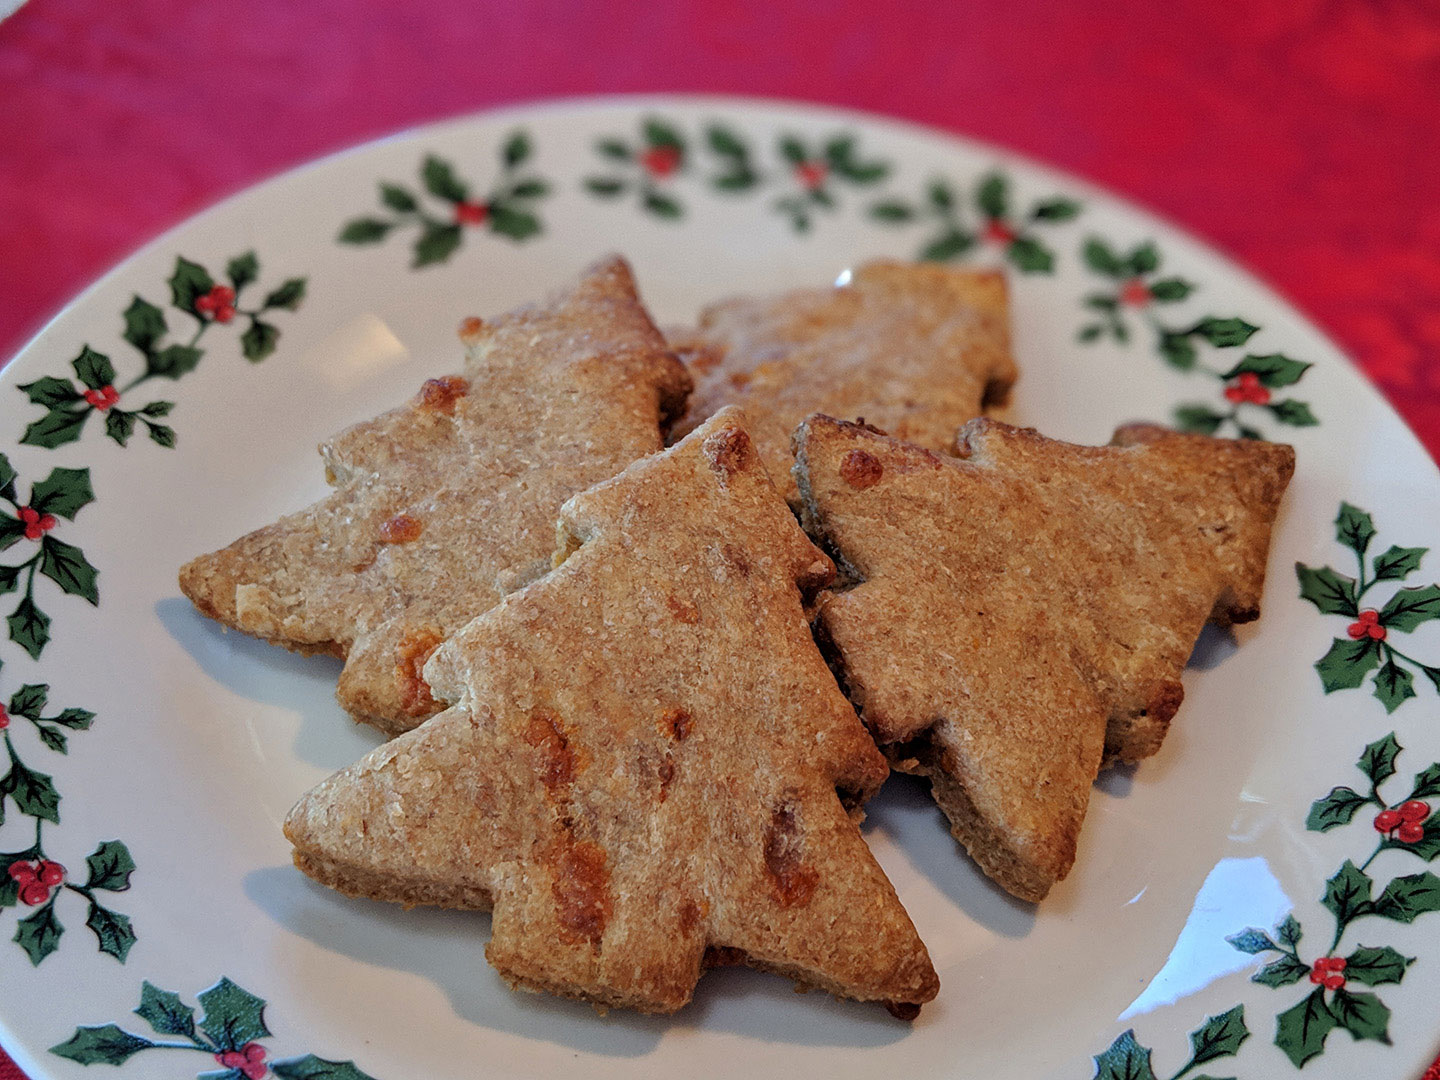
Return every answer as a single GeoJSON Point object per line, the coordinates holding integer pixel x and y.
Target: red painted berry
{"type": "Point", "coordinates": [219, 303]}
{"type": "Point", "coordinates": [1412, 832]}
{"type": "Point", "coordinates": [997, 232]}
{"type": "Point", "coordinates": [224, 313]}
{"type": "Point", "coordinates": [1387, 820]}
{"type": "Point", "coordinates": [1134, 293]}
{"type": "Point", "coordinates": [103, 398]}
{"type": "Point", "coordinates": [471, 213]}
{"type": "Point", "coordinates": [4, 718]}
{"type": "Point", "coordinates": [1366, 624]}
{"type": "Point", "coordinates": [1414, 810]}
{"type": "Point", "coordinates": [1334, 981]}
{"type": "Point", "coordinates": [36, 523]}
{"type": "Point", "coordinates": [34, 894]}
{"type": "Point", "coordinates": [811, 174]}
{"type": "Point", "coordinates": [21, 871]}
{"type": "Point", "coordinates": [51, 873]}
{"type": "Point", "coordinates": [660, 161]}
{"type": "Point", "coordinates": [1377, 632]}
{"type": "Point", "coordinates": [1248, 388]}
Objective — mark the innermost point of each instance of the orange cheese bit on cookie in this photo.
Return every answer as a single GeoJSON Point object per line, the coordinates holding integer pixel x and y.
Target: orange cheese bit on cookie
{"type": "Point", "coordinates": [1025, 610]}
{"type": "Point", "coordinates": [635, 793]}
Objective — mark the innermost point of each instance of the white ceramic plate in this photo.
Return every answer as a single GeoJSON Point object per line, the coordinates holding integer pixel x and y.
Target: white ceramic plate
{"type": "Point", "coordinates": [201, 740]}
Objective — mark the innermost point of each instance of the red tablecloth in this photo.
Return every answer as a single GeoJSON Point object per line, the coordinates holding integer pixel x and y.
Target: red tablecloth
{"type": "Point", "coordinates": [1299, 135]}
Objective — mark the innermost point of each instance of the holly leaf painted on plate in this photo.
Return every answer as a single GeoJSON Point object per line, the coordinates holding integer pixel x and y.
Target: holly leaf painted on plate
{"type": "Point", "coordinates": [1170, 290]}
{"type": "Point", "coordinates": [1124, 1060]}
{"type": "Point", "coordinates": [1198, 419]}
{"type": "Point", "coordinates": [662, 133]}
{"type": "Point", "coordinates": [311, 1067]}
{"type": "Point", "coordinates": [1377, 760]}
{"type": "Point", "coordinates": [1407, 898]}
{"type": "Point", "coordinates": [1273, 370]}
{"type": "Point", "coordinates": [662, 205]}
{"type": "Point", "coordinates": [1364, 1016]}
{"type": "Point", "coordinates": [94, 368]}
{"type": "Point", "coordinates": [188, 283]}
{"type": "Point", "coordinates": [1289, 931]}
{"type": "Point", "coordinates": [29, 627]}
{"type": "Point", "coordinates": [517, 149]}
{"type": "Point", "coordinates": [66, 565]}
{"type": "Point", "coordinates": [1251, 940]}
{"type": "Point", "coordinates": [1354, 528]}
{"type": "Point", "coordinates": [1347, 893]}
{"type": "Point", "coordinates": [1427, 847]}
{"type": "Point", "coordinates": [112, 930]}
{"type": "Point", "coordinates": [1030, 256]}
{"type": "Point", "coordinates": [365, 231]}
{"type": "Point", "coordinates": [1375, 967]}
{"type": "Point", "coordinates": [233, 1016]}
{"type": "Point", "coordinates": [1331, 592]}
{"type": "Point", "coordinates": [1177, 350]}
{"type": "Point", "coordinates": [436, 244]}
{"type": "Point", "coordinates": [516, 224]}
{"type": "Point", "coordinates": [55, 428]}
{"type": "Point", "coordinates": [242, 270]}
{"type": "Point", "coordinates": [51, 392]}
{"type": "Point", "coordinates": [1101, 258]}
{"type": "Point", "coordinates": [1427, 783]}
{"type": "Point", "coordinates": [289, 295]}
{"type": "Point", "coordinates": [64, 492]}
{"type": "Point", "coordinates": [1058, 209]}
{"type": "Point", "coordinates": [1224, 333]}
{"type": "Point", "coordinates": [173, 361]}
{"type": "Point", "coordinates": [1396, 562]}
{"type": "Point", "coordinates": [1220, 1036]}
{"type": "Point", "coordinates": [1412, 607]}
{"type": "Point", "coordinates": [1334, 809]}
{"type": "Point", "coordinates": [1281, 972]}
{"type": "Point", "coordinates": [1292, 412]}
{"type": "Point", "coordinates": [165, 1012]}
{"type": "Point", "coordinates": [1346, 663]}
{"type": "Point", "coordinates": [1393, 684]}
{"type": "Point", "coordinates": [39, 935]}
{"type": "Point", "coordinates": [950, 244]}
{"type": "Point", "coordinates": [34, 792]}
{"type": "Point", "coordinates": [110, 867]}
{"type": "Point", "coordinates": [119, 426]}
{"type": "Point", "coordinates": [144, 326]}
{"type": "Point", "coordinates": [107, 1045]}
{"type": "Point", "coordinates": [1301, 1031]}
{"type": "Point", "coordinates": [29, 701]}
{"type": "Point", "coordinates": [259, 340]}
{"type": "Point", "coordinates": [439, 178]}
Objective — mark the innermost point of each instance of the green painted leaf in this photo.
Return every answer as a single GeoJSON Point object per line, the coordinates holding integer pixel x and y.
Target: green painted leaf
{"type": "Point", "coordinates": [1393, 684]}
{"type": "Point", "coordinates": [1347, 893]}
{"type": "Point", "coordinates": [1224, 333]}
{"type": "Point", "coordinates": [1168, 290]}
{"type": "Point", "coordinates": [1289, 931]}
{"type": "Point", "coordinates": [1281, 972]}
{"type": "Point", "coordinates": [39, 935]}
{"type": "Point", "coordinates": [397, 198]}
{"type": "Point", "coordinates": [1396, 563]}
{"type": "Point", "coordinates": [7, 472]}
{"type": "Point", "coordinates": [1301, 1031]}
{"type": "Point", "coordinates": [365, 231]}
{"type": "Point", "coordinates": [112, 930]}
{"type": "Point", "coordinates": [29, 701]}
{"type": "Point", "coordinates": [941, 196]}
{"type": "Point", "coordinates": [993, 196]}
{"type": "Point", "coordinates": [1246, 432]}
{"type": "Point", "coordinates": [311, 1067]}
{"type": "Point", "coordinates": [1144, 259]}
{"type": "Point", "coordinates": [63, 492]}
{"type": "Point", "coordinates": [436, 244]}
{"type": "Point", "coordinates": [948, 245]}
{"type": "Point", "coordinates": [1334, 809]}
{"type": "Point", "coordinates": [51, 392]}
{"type": "Point", "coordinates": [259, 340]}
{"type": "Point", "coordinates": [516, 224]}
{"type": "Point", "coordinates": [1332, 592]}
{"type": "Point", "coordinates": [110, 867]}
{"type": "Point", "coordinates": [52, 737]}
{"type": "Point", "coordinates": [165, 1012]}
{"type": "Point", "coordinates": [1354, 528]}
{"type": "Point", "coordinates": [517, 149]}
{"type": "Point", "coordinates": [34, 793]}
{"type": "Point", "coordinates": [233, 1017]}
{"type": "Point", "coordinates": [1427, 783]}
{"type": "Point", "coordinates": [1177, 350]}
{"type": "Point", "coordinates": [173, 361]}
{"type": "Point", "coordinates": [1124, 1060]}
{"type": "Point", "coordinates": [289, 295]}
{"type": "Point", "coordinates": [1059, 209]}
{"type": "Point", "coordinates": [1089, 333]}
{"type": "Point", "coordinates": [1407, 898]}
{"type": "Point", "coordinates": [793, 150]}
{"type": "Point", "coordinates": [1377, 760]}
{"type": "Point", "coordinates": [163, 435]}
{"type": "Point", "coordinates": [144, 326]}
{"type": "Point", "coordinates": [1346, 664]}
{"type": "Point", "coordinates": [242, 270]}
{"type": "Point", "coordinates": [1427, 847]}
{"type": "Point", "coordinates": [93, 368]}
{"type": "Point", "coordinates": [1374, 967]}
{"type": "Point", "coordinates": [725, 142]}
{"type": "Point", "coordinates": [892, 211]}
{"type": "Point", "coordinates": [604, 186]}
{"type": "Point", "coordinates": [9, 577]}
{"type": "Point", "coordinates": [735, 181]}
{"type": "Point", "coordinates": [440, 180]}
{"type": "Point", "coordinates": [662, 133]}
{"type": "Point", "coordinates": [530, 189]}
{"type": "Point", "coordinates": [1220, 1036]}
{"type": "Point", "coordinates": [1200, 419]}
{"type": "Point", "coordinates": [119, 426]}
{"type": "Point", "coordinates": [1292, 412]}
{"type": "Point", "coordinates": [75, 719]}
{"type": "Point", "coordinates": [615, 149]}
{"type": "Point", "coordinates": [9, 887]}
{"type": "Point", "coordinates": [158, 408]}
{"type": "Point", "coordinates": [1411, 607]}
{"type": "Point", "coordinates": [29, 627]}
{"type": "Point", "coordinates": [662, 205]}
{"type": "Point", "coordinates": [1251, 940]}
{"type": "Point", "coordinates": [1030, 256]}
{"type": "Point", "coordinates": [188, 283]}
{"type": "Point", "coordinates": [55, 428]}
{"type": "Point", "coordinates": [66, 565]}
{"type": "Point", "coordinates": [1273, 369]}
{"type": "Point", "coordinates": [862, 172]}
{"type": "Point", "coordinates": [107, 1045]}
{"type": "Point", "coordinates": [1364, 1016]}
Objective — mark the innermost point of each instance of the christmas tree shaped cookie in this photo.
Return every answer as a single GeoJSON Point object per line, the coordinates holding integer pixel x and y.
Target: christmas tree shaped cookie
{"type": "Point", "coordinates": [444, 505]}
{"type": "Point", "coordinates": [1025, 610]}
{"type": "Point", "coordinates": [647, 767]}
{"type": "Point", "coordinates": [917, 349]}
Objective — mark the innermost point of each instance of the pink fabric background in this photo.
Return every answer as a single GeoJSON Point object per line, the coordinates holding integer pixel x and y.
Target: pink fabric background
{"type": "Point", "coordinates": [1299, 135]}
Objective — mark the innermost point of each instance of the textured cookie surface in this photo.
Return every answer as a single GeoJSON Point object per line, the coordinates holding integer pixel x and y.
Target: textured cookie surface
{"type": "Point", "coordinates": [641, 767]}
{"type": "Point", "coordinates": [1027, 609]}
{"type": "Point", "coordinates": [916, 349]}
{"type": "Point", "coordinates": [444, 505]}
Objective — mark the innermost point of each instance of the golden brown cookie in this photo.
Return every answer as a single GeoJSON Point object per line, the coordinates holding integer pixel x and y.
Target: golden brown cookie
{"type": "Point", "coordinates": [444, 505]}
{"type": "Point", "coordinates": [1022, 612]}
{"type": "Point", "coordinates": [915, 348]}
{"type": "Point", "coordinates": [641, 767]}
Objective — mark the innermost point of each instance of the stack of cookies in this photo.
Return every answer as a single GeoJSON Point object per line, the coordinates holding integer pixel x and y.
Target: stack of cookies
{"type": "Point", "coordinates": [641, 695]}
